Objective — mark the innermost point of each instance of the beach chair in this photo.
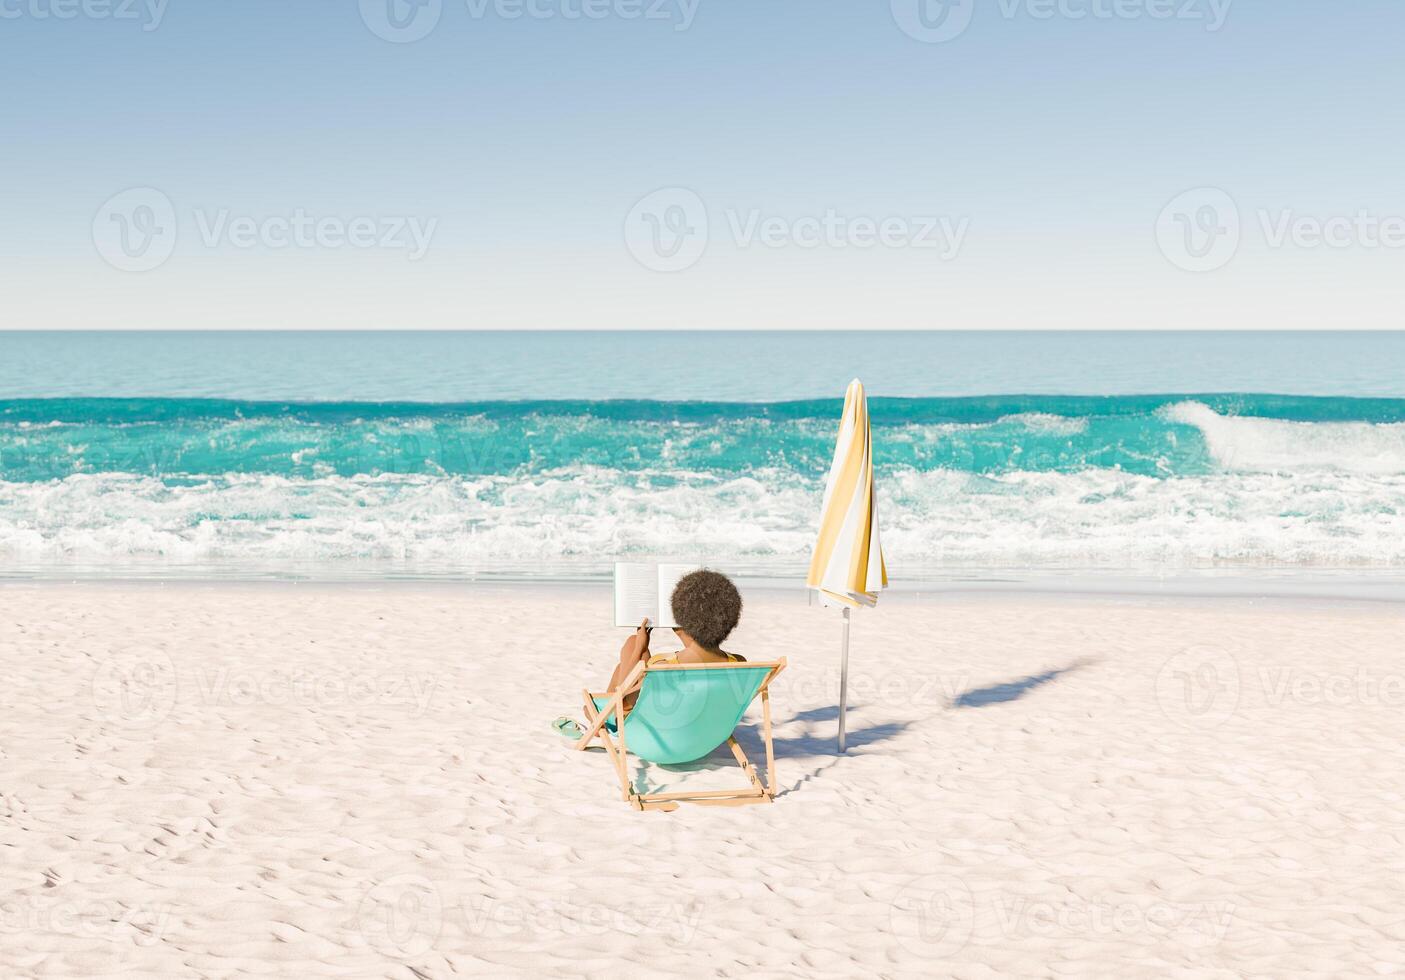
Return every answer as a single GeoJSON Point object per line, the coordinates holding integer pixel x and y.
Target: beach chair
{"type": "Point", "coordinates": [683, 713]}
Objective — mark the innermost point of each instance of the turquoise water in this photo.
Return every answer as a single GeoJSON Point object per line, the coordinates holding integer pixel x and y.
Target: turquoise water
{"type": "Point", "coordinates": [219, 452]}
{"type": "Point", "coordinates": [1154, 436]}
{"type": "Point", "coordinates": [328, 366]}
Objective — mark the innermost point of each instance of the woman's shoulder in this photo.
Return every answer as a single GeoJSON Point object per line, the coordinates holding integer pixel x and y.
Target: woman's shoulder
{"type": "Point", "coordinates": [672, 658]}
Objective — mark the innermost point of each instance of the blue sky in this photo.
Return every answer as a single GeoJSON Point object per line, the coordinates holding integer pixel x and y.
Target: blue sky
{"type": "Point", "coordinates": [1024, 163]}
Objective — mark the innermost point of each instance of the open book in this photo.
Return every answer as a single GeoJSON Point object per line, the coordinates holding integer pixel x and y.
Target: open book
{"type": "Point", "coordinates": [644, 589]}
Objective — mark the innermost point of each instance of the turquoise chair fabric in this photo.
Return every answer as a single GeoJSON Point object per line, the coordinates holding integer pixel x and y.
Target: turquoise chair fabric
{"type": "Point", "coordinates": [682, 715]}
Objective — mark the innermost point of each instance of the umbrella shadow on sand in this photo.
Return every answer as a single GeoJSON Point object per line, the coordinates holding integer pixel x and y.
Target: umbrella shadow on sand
{"type": "Point", "coordinates": [1016, 689]}
{"type": "Point", "coordinates": [818, 740]}
{"type": "Point", "coordinates": [823, 742]}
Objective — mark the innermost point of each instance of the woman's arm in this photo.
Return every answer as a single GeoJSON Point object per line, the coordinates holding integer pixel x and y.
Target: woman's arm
{"type": "Point", "coordinates": [635, 649]}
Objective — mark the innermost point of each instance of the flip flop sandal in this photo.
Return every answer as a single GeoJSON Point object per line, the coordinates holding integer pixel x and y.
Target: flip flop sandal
{"type": "Point", "coordinates": [568, 727]}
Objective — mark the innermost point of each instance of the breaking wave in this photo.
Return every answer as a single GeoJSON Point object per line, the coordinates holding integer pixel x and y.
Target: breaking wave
{"type": "Point", "coordinates": [1164, 481]}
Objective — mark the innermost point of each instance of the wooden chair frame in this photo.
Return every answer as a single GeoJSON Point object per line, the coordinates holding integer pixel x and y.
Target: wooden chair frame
{"type": "Point", "coordinates": [755, 792]}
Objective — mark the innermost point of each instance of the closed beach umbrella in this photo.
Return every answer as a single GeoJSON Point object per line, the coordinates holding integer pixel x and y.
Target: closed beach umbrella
{"type": "Point", "coordinates": [847, 568]}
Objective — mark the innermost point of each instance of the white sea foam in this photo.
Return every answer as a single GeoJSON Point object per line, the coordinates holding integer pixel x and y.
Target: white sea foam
{"type": "Point", "coordinates": [1107, 517]}
{"type": "Point", "coordinates": [1093, 517]}
{"type": "Point", "coordinates": [1056, 425]}
{"type": "Point", "coordinates": [1246, 444]}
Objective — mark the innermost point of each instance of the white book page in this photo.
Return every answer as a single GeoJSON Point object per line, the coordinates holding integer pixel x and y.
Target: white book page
{"type": "Point", "coordinates": [636, 592]}
{"type": "Point", "coordinates": [668, 576]}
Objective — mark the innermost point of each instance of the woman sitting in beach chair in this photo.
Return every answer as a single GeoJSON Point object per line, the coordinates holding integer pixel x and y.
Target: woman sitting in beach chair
{"type": "Point", "coordinates": [706, 606]}
{"type": "Point", "coordinates": [679, 708]}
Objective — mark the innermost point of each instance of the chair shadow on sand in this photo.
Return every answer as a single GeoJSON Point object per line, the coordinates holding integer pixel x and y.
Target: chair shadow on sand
{"type": "Point", "coordinates": [825, 742]}
{"type": "Point", "coordinates": [806, 745]}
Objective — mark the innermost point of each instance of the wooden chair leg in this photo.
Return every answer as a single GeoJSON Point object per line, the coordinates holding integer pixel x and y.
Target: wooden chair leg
{"type": "Point", "coordinates": [614, 707]}
{"type": "Point", "coordinates": [588, 709]}
{"type": "Point", "coordinates": [626, 777]}
{"type": "Point", "coordinates": [668, 806]}
{"type": "Point", "coordinates": [593, 715]}
{"type": "Point", "coordinates": [618, 756]}
{"type": "Point", "coordinates": [745, 763]}
{"type": "Point", "coordinates": [733, 801]}
{"type": "Point", "coordinates": [770, 745]}
{"type": "Point", "coordinates": [596, 718]}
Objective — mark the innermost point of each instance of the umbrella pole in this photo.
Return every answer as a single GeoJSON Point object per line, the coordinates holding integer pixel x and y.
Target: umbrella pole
{"type": "Point", "coordinates": [844, 680]}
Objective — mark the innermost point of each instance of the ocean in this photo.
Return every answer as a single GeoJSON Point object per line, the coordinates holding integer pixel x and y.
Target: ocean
{"type": "Point", "coordinates": [550, 455]}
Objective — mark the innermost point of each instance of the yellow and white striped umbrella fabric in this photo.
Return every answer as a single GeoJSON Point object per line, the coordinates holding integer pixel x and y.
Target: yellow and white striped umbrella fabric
{"type": "Point", "coordinates": [847, 566]}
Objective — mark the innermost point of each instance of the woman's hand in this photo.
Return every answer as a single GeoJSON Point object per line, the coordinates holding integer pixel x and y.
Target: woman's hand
{"type": "Point", "coordinates": [641, 638]}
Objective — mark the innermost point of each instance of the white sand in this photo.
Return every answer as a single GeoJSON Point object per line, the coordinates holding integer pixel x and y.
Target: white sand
{"type": "Point", "coordinates": [295, 781]}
